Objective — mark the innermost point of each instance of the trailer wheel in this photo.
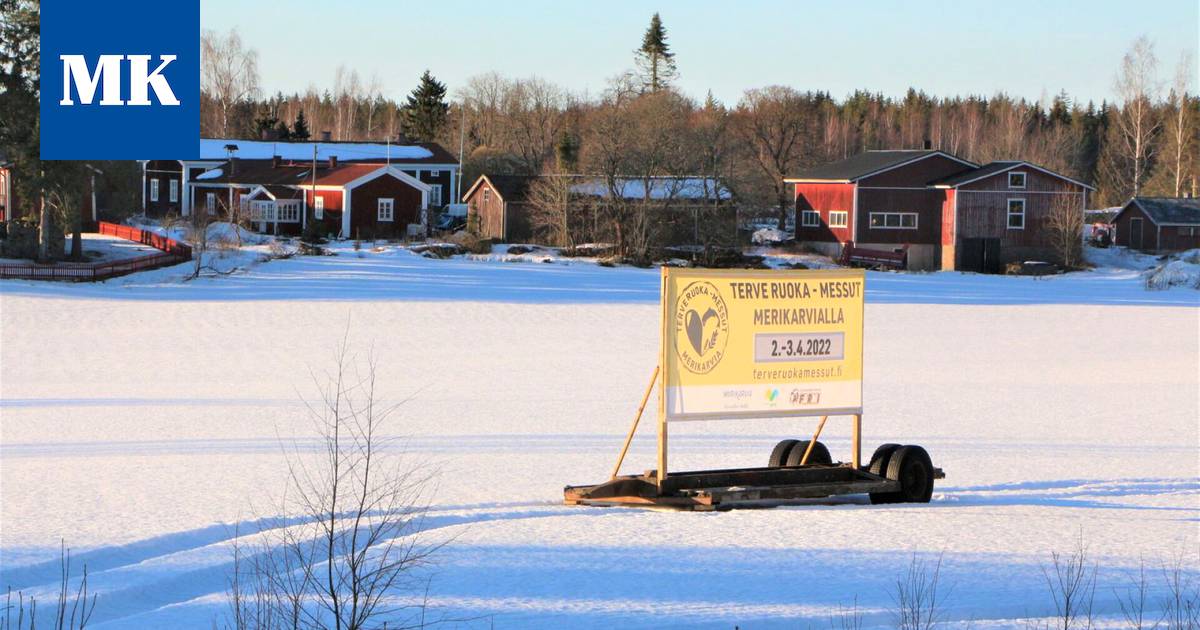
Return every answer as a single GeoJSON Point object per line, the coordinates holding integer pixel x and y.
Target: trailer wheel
{"type": "Point", "coordinates": [911, 466]}
{"type": "Point", "coordinates": [879, 460]}
{"type": "Point", "coordinates": [779, 454]}
{"type": "Point", "coordinates": [819, 455]}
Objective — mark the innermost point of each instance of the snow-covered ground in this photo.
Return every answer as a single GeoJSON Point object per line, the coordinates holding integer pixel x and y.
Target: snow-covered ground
{"type": "Point", "coordinates": [142, 420]}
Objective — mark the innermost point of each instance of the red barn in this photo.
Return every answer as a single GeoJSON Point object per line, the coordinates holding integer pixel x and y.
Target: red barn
{"type": "Point", "coordinates": [1163, 224]}
{"type": "Point", "coordinates": [944, 211]}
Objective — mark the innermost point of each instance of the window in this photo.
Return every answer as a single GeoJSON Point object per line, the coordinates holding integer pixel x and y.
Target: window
{"type": "Point", "coordinates": [1016, 214]}
{"type": "Point", "coordinates": [433, 172]}
{"type": "Point", "coordinates": [810, 218]}
{"type": "Point", "coordinates": [174, 192]}
{"type": "Point", "coordinates": [387, 209]}
{"type": "Point", "coordinates": [839, 218]}
{"type": "Point", "coordinates": [487, 195]}
{"type": "Point", "coordinates": [319, 207]}
{"type": "Point", "coordinates": [210, 203]}
{"type": "Point", "coordinates": [1189, 231]}
{"type": "Point", "coordinates": [435, 196]}
{"type": "Point", "coordinates": [288, 211]}
{"type": "Point", "coordinates": [262, 210]}
{"type": "Point", "coordinates": [154, 190]}
{"type": "Point", "coordinates": [1016, 179]}
{"type": "Point", "coordinates": [894, 220]}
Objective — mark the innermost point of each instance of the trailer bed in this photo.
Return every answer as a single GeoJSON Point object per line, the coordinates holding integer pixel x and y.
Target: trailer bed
{"type": "Point", "coordinates": [707, 490]}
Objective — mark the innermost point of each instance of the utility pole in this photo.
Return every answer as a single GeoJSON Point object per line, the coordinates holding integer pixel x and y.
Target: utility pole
{"type": "Point", "coordinates": [462, 126]}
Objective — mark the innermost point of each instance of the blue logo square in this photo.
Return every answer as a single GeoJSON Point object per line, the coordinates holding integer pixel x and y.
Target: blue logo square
{"type": "Point", "coordinates": [120, 80]}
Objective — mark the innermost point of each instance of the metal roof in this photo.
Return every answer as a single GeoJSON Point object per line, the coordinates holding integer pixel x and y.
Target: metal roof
{"type": "Point", "coordinates": [1168, 210]}
{"type": "Point", "coordinates": [864, 164]}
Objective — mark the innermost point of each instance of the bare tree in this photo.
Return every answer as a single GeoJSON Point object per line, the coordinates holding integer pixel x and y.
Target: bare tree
{"type": "Point", "coordinates": [773, 126]}
{"type": "Point", "coordinates": [551, 209]}
{"type": "Point", "coordinates": [73, 605]}
{"type": "Point", "coordinates": [1181, 126]}
{"type": "Point", "coordinates": [1137, 124]}
{"type": "Point", "coordinates": [917, 597]}
{"type": "Point", "coordinates": [228, 74]}
{"type": "Point", "coordinates": [351, 559]}
{"type": "Point", "coordinates": [1071, 580]}
{"type": "Point", "coordinates": [1064, 230]}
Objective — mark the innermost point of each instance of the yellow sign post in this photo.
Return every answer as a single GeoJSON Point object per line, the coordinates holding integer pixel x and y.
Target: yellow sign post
{"type": "Point", "coordinates": [757, 344]}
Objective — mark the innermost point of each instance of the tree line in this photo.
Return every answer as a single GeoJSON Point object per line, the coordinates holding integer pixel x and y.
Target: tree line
{"type": "Point", "coordinates": [1143, 142]}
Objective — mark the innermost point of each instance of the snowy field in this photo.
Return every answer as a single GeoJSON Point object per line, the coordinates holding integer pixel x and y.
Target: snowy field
{"type": "Point", "coordinates": [142, 422]}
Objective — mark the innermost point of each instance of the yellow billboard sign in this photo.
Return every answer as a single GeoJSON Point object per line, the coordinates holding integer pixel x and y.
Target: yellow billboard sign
{"type": "Point", "coordinates": [754, 344]}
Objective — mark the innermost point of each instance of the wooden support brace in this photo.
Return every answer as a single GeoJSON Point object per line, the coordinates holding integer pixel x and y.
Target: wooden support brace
{"type": "Point", "coordinates": [813, 442]}
{"type": "Point", "coordinates": [636, 419]}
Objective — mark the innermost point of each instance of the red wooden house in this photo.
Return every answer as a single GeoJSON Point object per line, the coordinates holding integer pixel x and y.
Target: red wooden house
{"type": "Point", "coordinates": [1159, 224]}
{"type": "Point", "coordinates": [943, 211]}
{"type": "Point", "coordinates": [282, 197]}
{"type": "Point", "coordinates": [168, 184]}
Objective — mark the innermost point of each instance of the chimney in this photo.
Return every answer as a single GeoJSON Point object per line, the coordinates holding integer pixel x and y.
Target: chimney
{"type": "Point", "coordinates": [326, 136]}
{"type": "Point", "coordinates": [275, 160]}
{"type": "Point", "coordinates": [928, 144]}
{"type": "Point", "coordinates": [333, 161]}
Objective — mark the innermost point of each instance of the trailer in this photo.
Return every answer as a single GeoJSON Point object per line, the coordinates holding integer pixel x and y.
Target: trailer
{"type": "Point", "coordinates": [729, 335]}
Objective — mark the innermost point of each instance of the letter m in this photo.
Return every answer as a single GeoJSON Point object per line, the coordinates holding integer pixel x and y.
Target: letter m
{"type": "Point", "coordinates": [75, 70]}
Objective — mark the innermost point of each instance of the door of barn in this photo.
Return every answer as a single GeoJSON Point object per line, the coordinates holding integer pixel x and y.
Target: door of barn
{"type": "Point", "coordinates": [981, 255]}
{"type": "Point", "coordinates": [1135, 233]}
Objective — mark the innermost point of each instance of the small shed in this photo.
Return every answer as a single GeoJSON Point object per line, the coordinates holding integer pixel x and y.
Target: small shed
{"type": "Point", "coordinates": [1164, 224]}
{"type": "Point", "coordinates": [496, 207]}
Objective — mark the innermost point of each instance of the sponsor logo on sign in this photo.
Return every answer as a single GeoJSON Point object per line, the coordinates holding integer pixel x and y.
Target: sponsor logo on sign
{"type": "Point", "coordinates": [772, 394]}
{"type": "Point", "coordinates": [701, 327]}
{"type": "Point", "coordinates": [805, 397]}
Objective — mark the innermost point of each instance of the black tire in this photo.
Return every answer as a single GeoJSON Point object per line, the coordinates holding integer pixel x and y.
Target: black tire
{"type": "Point", "coordinates": [879, 460]}
{"type": "Point", "coordinates": [780, 453]}
{"type": "Point", "coordinates": [911, 466]}
{"type": "Point", "coordinates": [819, 455]}
{"type": "Point", "coordinates": [879, 466]}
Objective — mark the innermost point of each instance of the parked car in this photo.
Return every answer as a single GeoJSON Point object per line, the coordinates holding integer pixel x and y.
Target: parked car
{"type": "Point", "coordinates": [450, 223]}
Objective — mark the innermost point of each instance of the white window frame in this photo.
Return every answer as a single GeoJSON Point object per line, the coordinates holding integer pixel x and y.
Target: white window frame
{"type": "Point", "coordinates": [839, 218]}
{"type": "Point", "coordinates": [174, 191]}
{"type": "Point", "coordinates": [487, 195]}
{"type": "Point", "coordinates": [154, 189]}
{"type": "Point", "coordinates": [1010, 214]}
{"type": "Point", "coordinates": [287, 211]}
{"type": "Point", "coordinates": [434, 172]}
{"type": "Point", "coordinates": [210, 202]}
{"type": "Point", "coordinates": [319, 206]}
{"type": "Point", "coordinates": [916, 221]}
{"type": "Point", "coordinates": [1024, 179]}
{"type": "Point", "coordinates": [1190, 230]}
{"type": "Point", "coordinates": [435, 196]}
{"type": "Point", "coordinates": [810, 218]}
{"type": "Point", "coordinates": [388, 204]}
{"type": "Point", "coordinates": [262, 210]}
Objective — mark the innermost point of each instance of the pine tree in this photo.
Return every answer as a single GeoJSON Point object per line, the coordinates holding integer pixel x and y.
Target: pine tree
{"type": "Point", "coordinates": [282, 132]}
{"type": "Point", "coordinates": [425, 112]}
{"type": "Point", "coordinates": [300, 127]}
{"type": "Point", "coordinates": [655, 59]}
{"type": "Point", "coordinates": [266, 121]}
{"type": "Point", "coordinates": [566, 153]}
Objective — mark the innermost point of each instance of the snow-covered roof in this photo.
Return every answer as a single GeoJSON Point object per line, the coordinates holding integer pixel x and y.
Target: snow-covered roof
{"type": "Point", "coordinates": [214, 149]}
{"type": "Point", "coordinates": [211, 174]}
{"type": "Point", "coordinates": [660, 188]}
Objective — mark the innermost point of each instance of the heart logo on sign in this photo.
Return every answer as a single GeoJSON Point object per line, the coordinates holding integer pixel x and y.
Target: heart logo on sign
{"type": "Point", "coordinates": [695, 330]}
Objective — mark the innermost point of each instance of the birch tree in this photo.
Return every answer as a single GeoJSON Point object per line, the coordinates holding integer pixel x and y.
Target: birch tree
{"type": "Point", "coordinates": [228, 75]}
{"type": "Point", "coordinates": [1137, 124]}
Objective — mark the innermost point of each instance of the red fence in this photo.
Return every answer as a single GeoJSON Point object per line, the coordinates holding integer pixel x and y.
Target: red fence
{"type": "Point", "coordinates": [173, 252]}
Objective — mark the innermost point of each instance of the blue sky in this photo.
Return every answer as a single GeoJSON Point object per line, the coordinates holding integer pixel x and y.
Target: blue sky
{"type": "Point", "coordinates": [1026, 48]}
